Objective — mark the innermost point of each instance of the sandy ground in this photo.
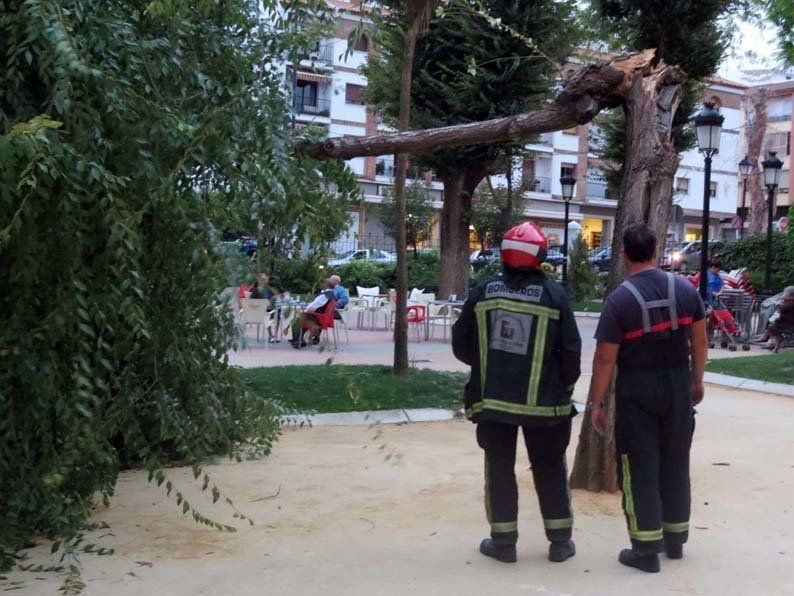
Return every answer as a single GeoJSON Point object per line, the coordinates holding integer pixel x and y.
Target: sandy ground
{"type": "Point", "coordinates": [335, 517]}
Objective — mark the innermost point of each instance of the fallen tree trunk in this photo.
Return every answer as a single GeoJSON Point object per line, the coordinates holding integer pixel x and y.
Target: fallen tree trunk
{"type": "Point", "coordinates": [646, 195]}
{"type": "Point", "coordinates": [587, 91]}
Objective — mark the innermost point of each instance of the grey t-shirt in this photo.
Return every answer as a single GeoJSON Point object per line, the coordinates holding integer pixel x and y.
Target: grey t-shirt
{"type": "Point", "coordinates": [621, 321]}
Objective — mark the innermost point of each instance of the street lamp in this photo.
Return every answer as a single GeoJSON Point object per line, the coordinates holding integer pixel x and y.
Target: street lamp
{"type": "Point", "coordinates": [568, 183]}
{"type": "Point", "coordinates": [745, 167]}
{"type": "Point", "coordinates": [772, 166]}
{"type": "Point", "coordinates": [708, 124]}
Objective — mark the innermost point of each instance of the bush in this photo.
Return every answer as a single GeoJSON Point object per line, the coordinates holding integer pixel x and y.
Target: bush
{"type": "Point", "coordinates": [366, 274]}
{"type": "Point", "coordinates": [424, 270]}
{"type": "Point", "coordinates": [583, 280]}
{"type": "Point", "coordinates": [751, 254]}
{"type": "Point", "coordinates": [298, 276]}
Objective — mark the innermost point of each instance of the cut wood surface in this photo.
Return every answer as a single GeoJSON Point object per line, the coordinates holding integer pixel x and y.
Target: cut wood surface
{"type": "Point", "coordinates": [589, 90]}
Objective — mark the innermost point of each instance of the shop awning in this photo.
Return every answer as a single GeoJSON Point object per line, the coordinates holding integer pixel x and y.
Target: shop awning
{"type": "Point", "coordinates": [312, 76]}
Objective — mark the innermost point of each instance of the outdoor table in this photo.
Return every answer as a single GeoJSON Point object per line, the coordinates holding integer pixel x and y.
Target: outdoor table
{"type": "Point", "coordinates": [449, 303]}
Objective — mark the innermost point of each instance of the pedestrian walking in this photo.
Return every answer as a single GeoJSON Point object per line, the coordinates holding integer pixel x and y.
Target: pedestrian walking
{"type": "Point", "coordinates": [653, 328]}
{"type": "Point", "coordinates": [518, 333]}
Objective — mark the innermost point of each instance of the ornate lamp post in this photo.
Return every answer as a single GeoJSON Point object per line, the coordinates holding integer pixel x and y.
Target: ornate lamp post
{"type": "Point", "coordinates": [708, 124]}
{"type": "Point", "coordinates": [772, 166]}
{"type": "Point", "coordinates": [568, 184]}
{"type": "Point", "coordinates": [745, 167]}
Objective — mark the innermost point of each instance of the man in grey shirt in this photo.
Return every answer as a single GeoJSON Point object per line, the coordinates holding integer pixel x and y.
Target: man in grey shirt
{"type": "Point", "coordinates": [653, 328]}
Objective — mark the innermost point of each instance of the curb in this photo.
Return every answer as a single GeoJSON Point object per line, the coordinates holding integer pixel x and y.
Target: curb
{"type": "Point", "coordinates": [587, 315]}
{"type": "Point", "coordinates": [371, 417]}
{"type": "Point", "coordinates": [748, 384]}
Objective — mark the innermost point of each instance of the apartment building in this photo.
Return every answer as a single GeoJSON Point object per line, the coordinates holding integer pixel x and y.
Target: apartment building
{"type": "Point", "coordinates": [780, 123]}
{"type": "Point", "coordinates": [329, 91]}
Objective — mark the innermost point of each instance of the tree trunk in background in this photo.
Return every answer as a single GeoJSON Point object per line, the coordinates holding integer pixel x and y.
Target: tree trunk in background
{"type": "Point", "coordinates": [400, 165]}
{"type": "Point", "coordinates": [459, 187]}
{"type": "Point", "coordinates": [646, 195]}
{"type": "Point", "coordinates": [506, 215]}
{"type": "Point", "coordinates": [755, 108]}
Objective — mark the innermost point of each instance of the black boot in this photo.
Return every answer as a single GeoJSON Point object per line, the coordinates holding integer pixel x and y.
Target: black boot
{"type": "Point", "coordinates": [561, 551]}
{"type": "Point", "coordinates": [646, 563]}
{"type": "Point", "coordinates": [674, 551]}
{"type": "Point", "coordinates": [505, 554]}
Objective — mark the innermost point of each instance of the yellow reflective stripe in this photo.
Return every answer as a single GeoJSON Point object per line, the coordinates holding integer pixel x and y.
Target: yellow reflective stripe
{"type": "Point", "coordinates": [646, 535]}
{"type": "Point", "coordinates": [676, 528]}
{"type": "Point", "coordinates": [628, 497]}
{"type": "Point", "coordinates": [507, 407]}
{"type": "Point", "coordinates": [537, 360]}
{"type": "Point", "coordinates": [482, 332]}
{"type": "Point", "coordinates": [487, 492]}
{"type": "Point", "coordinates": [504, 527]}
{"type": "Point", "coordinates": [519, 307]}
{"type": "Point", "coordinates": [558, 524]}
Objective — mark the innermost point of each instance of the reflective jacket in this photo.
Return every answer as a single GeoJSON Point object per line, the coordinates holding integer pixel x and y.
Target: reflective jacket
{"type": "Point", "coordinates": [519, 335]}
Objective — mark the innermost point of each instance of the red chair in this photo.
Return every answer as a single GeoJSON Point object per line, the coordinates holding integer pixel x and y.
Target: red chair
{"type": "Point", "coordinates": [417, 314]}
{"type": "Point", "coordinates": [326, 321]}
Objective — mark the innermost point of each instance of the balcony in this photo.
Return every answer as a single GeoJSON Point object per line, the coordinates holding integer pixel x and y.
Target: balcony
{"type": "Point", "coordinates": [320, 107]}
{"type": "Point", "coordinates": [323, 53]}
{"type": "Point", "coordinates": [599, 190]}
{"type": "Point", "coordinates": [539, 184]}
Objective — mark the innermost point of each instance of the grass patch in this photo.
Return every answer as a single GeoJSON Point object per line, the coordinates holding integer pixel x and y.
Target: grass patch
{"type": "Point", "coordinates": [338, 388]}
{"type": "Point", "coordinates": [772, 368]}
{"type": "Point", "coordinates": [588, 306]}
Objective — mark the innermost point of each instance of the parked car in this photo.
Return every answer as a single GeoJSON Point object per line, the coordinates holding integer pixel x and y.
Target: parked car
{"type": "Point", "coordinates": [364, 254]}
{"type": "Point", "coordinates": [486, 256]}
{"type": "Point", "coordinates": [554, 257]}
{"type": "Point", "coordinates": [602, 260]}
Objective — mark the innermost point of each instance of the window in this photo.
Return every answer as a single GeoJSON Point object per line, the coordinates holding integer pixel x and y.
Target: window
{"type": "Point", "coordinates": [713, 190]}
{"type": "Point", "coordinates": [567, 169]}
{"type": "Point", "coordinates": [682, 185]}
{"type": "Point", "coordinates": [354, 94]}
{"type": "Point", "coordinates": [361, 44]}
{"type": "Point", "coordinates": [779, 142]}
{"type": "Point", "coordinates": [306, 93]}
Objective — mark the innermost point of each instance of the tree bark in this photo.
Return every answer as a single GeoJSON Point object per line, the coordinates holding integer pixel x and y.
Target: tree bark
{"type": "Point", "coordinates": [459, 188]}
{"type": "Point", "coordinates": [588, 91]}
{"type": "Point", "coordinates": [400, 367]}
{"type": "Point", "coordinates": [646, 195]}
{"type": "Point", "coordinates": [755, 108]}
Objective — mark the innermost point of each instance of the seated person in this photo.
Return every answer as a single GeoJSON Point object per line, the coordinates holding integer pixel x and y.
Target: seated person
{"type": "Point", "coordinates": [715, 281]}
{"type": "Point", "coordinates": [307, 318]}
{"type": "Point", "coordinates": [783, 324]}
{"type": "Point", "coordinates": [341, 295]}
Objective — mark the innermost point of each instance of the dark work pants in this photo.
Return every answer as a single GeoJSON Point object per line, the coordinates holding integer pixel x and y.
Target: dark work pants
{"type": "Point", "coordinates": [653, 432]}
{"type": "Point", "coordinates": [546, 446]}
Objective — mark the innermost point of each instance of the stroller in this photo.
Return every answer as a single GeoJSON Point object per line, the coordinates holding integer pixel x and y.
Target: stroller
{"type": "Point", "coordinates": [723, 327]}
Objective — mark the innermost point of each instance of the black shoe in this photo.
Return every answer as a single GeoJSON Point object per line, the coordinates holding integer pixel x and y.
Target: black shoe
{"type": "Point", "coordinates": [646, 563]}
{"type": "Point", "coordinates": [561, 551]}
{"type": "Point", "coordinates": [298, 344]}
{"type": "Point", "coordinates": [315, 341]}
{"type": "Point", "coordinates": [505, 554]}
{"type": "Point", "coordinates": [674, 551]}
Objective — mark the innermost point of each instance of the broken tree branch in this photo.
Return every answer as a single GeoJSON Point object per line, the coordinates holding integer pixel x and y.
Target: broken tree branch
{"type": "Point", "coordinates": [589, 90]}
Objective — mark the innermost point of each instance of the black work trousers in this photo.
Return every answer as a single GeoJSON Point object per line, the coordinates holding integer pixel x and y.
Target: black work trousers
{"type": "Point", "coordinates": [653, 433]}
{"type": "Point", "coordinates": [546, 446]}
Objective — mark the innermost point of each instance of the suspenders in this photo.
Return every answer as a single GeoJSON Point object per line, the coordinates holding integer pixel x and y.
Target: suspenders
{"type": "Point", "coordinates": [646, 305]}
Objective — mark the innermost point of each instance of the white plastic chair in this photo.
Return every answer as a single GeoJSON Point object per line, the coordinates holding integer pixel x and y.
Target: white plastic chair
{"type": "Point", "coordinates": [438, 314]}
{"type": "Point", "coordinates": [369, 297]}
{"type": "Point", "coordinates": [253, 312]}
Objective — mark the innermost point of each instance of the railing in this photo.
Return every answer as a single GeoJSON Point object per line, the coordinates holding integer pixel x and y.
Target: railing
{"type": "Point", "coordinates": [322, 53]}
{"type": "Point", "coordinates": [539, 184]}
{"type": "Point", "coordinates": [597, 190]}
{"type": "Point", "coordinates": [320, 107]}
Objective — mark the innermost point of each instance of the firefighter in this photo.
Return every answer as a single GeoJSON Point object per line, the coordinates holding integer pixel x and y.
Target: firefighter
{"type": "Point", "coordinates": [653, 327]}
{"type": "Point", "coordinates": [518, 333]}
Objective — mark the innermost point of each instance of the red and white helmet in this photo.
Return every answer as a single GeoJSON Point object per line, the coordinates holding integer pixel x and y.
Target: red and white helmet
{"type": "Point", "coordinates": [524, 246]}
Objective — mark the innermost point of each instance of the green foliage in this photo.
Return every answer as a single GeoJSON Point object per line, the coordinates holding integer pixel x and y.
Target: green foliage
{"type": "Point", "coordinates": [493, 212]}
{"type": "Point", "coordinates": [424, 269]}
{"type": "Point", "coordinates": [467, 69]}
{"type": "Point", "coordinates": [691, 34]}
{"type": "Point", "coordinates": [418, 213]}
{"type": "Point", "coordinates": [490, 270]}
{"type": "Point", "coordinates": [750, 253]}
{"type": "Point", "coordinates": [583, 280]}
{"type": "Point", "coordinates": [772, 368]}
{"type": "Point", "coordinates": [118, 120]}
{"type": "Point", "coordinates": [355, 388]}
{"type": "Point", "coordinates": [298, 275]}
{"type": "Point", "coordinates": [781, 13]}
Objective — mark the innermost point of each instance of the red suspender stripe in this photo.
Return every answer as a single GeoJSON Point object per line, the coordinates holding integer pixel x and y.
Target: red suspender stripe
{"type": "Point", "coordinates": [682, 321]}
